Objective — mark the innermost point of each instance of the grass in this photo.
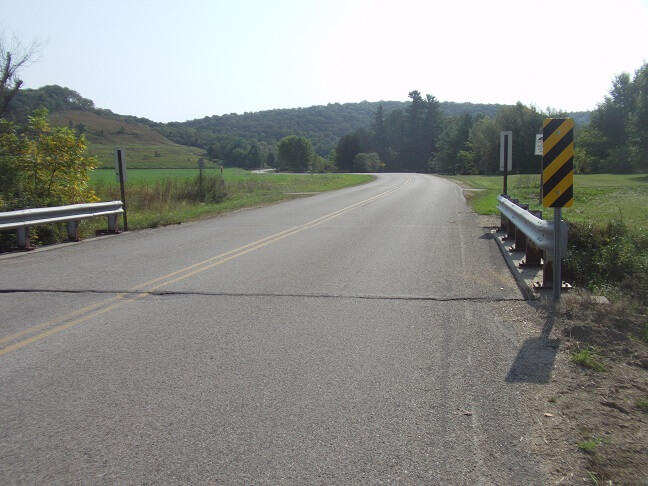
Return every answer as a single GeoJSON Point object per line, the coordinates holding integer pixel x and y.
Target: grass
{"type": "Point", "coordinates": [590, 445]}
{"type": "Point", "coordinates": [598, 198]}
{"type": "Point", "coordinates": [145, 148]}
{"type": "Point", "coordinates": [643, 332]}
{"type": "Point", "coordinates": [643, 404]}
{"type": "Point", "coordinates": [158, 197]}
{"type": "Point", "coordinates": [240, 183]}
{"type": "Point", "coordinates": [148, 156]}
{"type": "Point", "coordinates": [139, 176]}
{"type": "Point", "coordinates": [608, 228]}
{"type": "Point", "coordinates": [588, 358]}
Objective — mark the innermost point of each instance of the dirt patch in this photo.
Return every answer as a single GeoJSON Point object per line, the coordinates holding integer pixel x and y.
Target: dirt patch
{"type": "Point", "coordinates": [590, 427]}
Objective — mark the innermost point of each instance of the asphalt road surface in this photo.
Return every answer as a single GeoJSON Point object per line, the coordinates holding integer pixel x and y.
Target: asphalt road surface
{"type": "Point", "coordinates": [344, 338]}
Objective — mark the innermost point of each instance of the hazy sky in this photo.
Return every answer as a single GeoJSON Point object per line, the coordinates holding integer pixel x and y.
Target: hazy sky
{"type": "Point", "coordinates": [172, 60]}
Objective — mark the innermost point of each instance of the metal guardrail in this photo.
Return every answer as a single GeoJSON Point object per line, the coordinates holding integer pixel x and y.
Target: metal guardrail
{"type": "Point", "coordinates": [539, 232]}
{"type": "Point", "coordinates": [22, 219]}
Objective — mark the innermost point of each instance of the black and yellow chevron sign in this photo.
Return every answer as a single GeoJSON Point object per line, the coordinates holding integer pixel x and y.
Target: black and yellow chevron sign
{"type": "Point", "coordinates": [558, 163]}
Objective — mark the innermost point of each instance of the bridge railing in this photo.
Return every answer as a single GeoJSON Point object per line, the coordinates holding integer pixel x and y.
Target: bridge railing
{"type": "Point", "coordinates": [533, 235]}
{"type": "Point", "coordinates": [23, 219]}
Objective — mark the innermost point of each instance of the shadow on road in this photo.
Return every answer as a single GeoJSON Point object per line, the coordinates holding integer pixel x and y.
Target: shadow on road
{"type": "Point", "coordinates": [535, 360]}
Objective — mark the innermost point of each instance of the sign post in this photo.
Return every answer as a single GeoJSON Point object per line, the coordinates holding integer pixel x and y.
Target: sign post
{"type": "Point", "coordinates": [538, 151]}
{"type": "Point", "coordinates": [201, 166]}
{"type": "Point", "coordinates": [557, 180]}
{"type": "Point", "coordinates": [120, 172]}
{"type": "Point", "coordinates": [506, 156]}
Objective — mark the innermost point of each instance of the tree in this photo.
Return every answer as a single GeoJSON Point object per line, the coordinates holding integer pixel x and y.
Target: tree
{"type": "Point", "coordinates": [617, 136]}
{"type": "Point", "coordinates": [295, 154]}
{"type": "Point", "coordinates": [395, 122]}
{"type": "Point", "coordinates": [380, 132]}
{"type": "Point", "coordinates": [452, 142]}
{"type": "Point", "coordinates": [12, 59]}
{"type": "Point", "coordinates": [351, 145]}
{"type": "Point", "coordinates": [639, 120]}
{"type": "Point", "coordinates": [42, 165]}
{"type": "Point", "coordinates": [364, 162]}
{"type": "Point", "coordinates": [525, 123]}
{"type": "Point", "coordinates": [414, 153]}
{"type": "Point", "coordinates": [432, 126]}
{"type": "Point", "coordinates": [483, 146]}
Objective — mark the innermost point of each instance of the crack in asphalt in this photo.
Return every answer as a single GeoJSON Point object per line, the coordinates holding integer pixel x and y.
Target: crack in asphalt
{"type": "Point", "coordinates": [165, 293]}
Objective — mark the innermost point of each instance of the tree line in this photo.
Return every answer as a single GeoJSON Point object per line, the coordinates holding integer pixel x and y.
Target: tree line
{"type": "Point", "coordinates": [423, 134]}
{"type": "Point", "coordinates": [420, 138]}
{"type": "Point", "coordinates": [616, 139]}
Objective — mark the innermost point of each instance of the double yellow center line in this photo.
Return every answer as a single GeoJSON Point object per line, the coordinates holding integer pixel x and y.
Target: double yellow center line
{"type": "Point", "coordinates": [44, 329]}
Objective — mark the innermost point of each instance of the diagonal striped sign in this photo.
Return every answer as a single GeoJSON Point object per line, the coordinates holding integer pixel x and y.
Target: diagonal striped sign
{"type": "Point", "coordinates": [558, 163]}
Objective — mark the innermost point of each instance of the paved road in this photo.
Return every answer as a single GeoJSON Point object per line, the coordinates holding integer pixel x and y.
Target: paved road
{"type": "Point", "coordinates": [345, 338]}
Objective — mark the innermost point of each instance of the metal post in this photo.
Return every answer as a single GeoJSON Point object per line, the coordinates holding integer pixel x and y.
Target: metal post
{"type": "Point", "coordinates": [121, 185]}
{"type": "Point", "coordinates": [557, 279]}
{"type": "Point", "coordinates": [506, 142]}
{"type": "Point", "coordinates": [201, 194]}
{"type": "Point", "coordinates": [73, 230]}
{"type": "Point", "coordinates": [22, 235]}
{"type": "Point", "coordinates": [112, 223]}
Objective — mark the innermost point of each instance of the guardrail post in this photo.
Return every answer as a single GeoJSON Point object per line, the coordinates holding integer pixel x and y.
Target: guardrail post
{"type": "Point", "coordinates": [510, 226]}
{"type": "Point", "coordinates": [520, 238]}
{"type": "Point", "coordinates": [533, 256]}
{"type": "Point", "coordinates": [113, 224]}
{"type": "Point", "coordinates": [74, 233]}
{"type": "Point", "coordinates": [22, 236]}
{"type": "Point", "coordinates": [547, 272]}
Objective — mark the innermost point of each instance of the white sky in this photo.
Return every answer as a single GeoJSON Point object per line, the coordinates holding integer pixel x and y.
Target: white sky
{"type": "Point", "coordinates": [172, 60]}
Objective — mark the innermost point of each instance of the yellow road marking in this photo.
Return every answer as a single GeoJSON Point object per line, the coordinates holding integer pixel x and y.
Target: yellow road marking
{"type": "Point", "coordinates": [71, 315]}
{"type": "Point", "coordinates": [94, 310]}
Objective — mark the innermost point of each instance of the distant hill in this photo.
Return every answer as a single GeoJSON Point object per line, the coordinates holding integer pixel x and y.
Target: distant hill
{"type": "Point", "coordinates": [323, 125]}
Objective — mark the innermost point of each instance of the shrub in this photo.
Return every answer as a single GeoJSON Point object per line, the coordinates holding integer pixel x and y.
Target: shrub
{"type": "Point", "coordinates": [609, 257]}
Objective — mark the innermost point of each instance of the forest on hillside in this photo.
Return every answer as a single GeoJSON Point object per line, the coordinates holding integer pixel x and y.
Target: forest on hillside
{"type": "Point", "coordinates": [420, 137]}
{"type": "Point", "coordinates": [251, 139]}
{"type": "Point", "coordinates": [422, 134]}
{"type": "Point", "coordinates": [322, 125]}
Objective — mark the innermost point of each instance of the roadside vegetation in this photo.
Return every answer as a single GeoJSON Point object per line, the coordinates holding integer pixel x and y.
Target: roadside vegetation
{"type": "Point", "coordinates": [608, 228]}
{"type": "Point", "coordinates": [162, 197]}
{"type": "Point", "coordinates": [159, 197]}
{"type": "Point", "coordinates": [588, 358]}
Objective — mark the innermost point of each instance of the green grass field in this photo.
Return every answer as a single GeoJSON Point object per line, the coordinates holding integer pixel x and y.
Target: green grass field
{"type": "Point", "coordinates": [269, 182]}
{"type": "Point", "coordinates": [598, 198]}
{"type": "Point", "coordinates": [138, 176]}
{"type": "Point", "coordinates": [153, 195]}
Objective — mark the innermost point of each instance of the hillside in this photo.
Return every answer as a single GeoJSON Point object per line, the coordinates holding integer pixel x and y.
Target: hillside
{"type": "Point", "coordinates": [323, 125]}
{"type": "Point", "coordinates": [180, 143]}
{"type": "Point", "coordinates": [100, 129]}
{"type": "Point", "coordinates": [144, 147]}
